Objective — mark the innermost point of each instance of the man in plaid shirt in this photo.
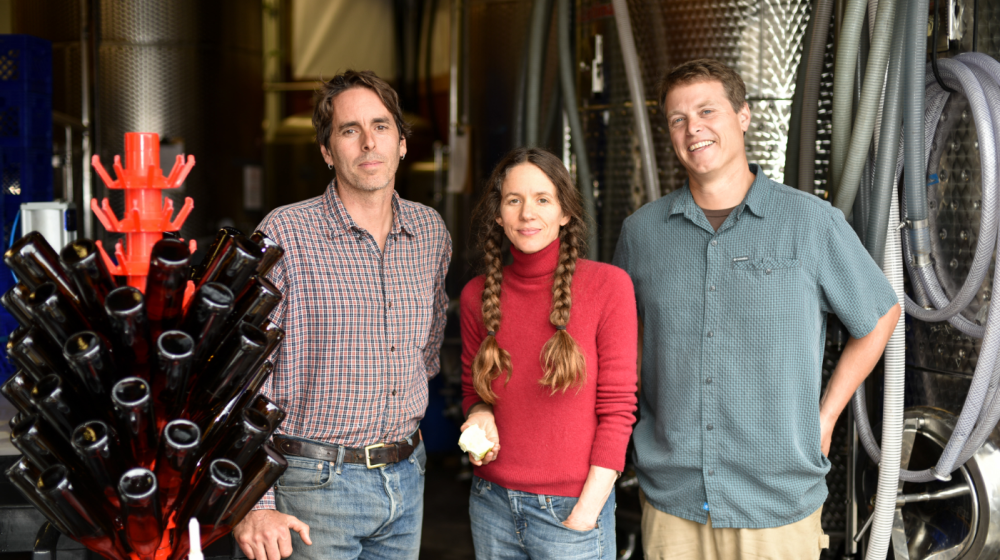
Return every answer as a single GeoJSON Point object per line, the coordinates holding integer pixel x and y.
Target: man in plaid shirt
{"type": "Point", "coordinates": [364, 315]}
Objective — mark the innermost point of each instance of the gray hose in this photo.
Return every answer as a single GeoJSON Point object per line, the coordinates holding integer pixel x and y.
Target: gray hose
{"type": "Point", "coordinates": [913, 117]}
{"type": "Point", "coordinates": [634, 75]}
{"type": "Point", "coordinates": [822, 12]}
{"type": "Point", "coordinates": [843, 91]}
{"type": "Point", "coordinates": [861, 137]}
{"type": "Point", "coordinates": [568, 87]}
{"type": "Point", "coordinates": [792, 145]}
{"type": "Point", "coordinates": [541, 19]}
{"type": "Point", "coordinates": [887, 154]}
{"type": "Point", "coordinates": [981, 409]}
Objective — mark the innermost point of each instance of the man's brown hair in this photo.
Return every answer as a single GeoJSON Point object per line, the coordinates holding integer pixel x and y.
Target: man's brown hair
{"type": "Point", "coordinates": [323, 100]}
{"type": "Point", "coordinates": [705, 69]}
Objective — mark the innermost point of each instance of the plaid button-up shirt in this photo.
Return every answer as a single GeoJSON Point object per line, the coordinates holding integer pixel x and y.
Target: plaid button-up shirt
{"type": "Point", "coordinates": [363, 327]}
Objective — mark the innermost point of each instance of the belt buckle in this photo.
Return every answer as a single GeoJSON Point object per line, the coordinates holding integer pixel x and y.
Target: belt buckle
{"type": "Point", "coordinates": [368, 459]}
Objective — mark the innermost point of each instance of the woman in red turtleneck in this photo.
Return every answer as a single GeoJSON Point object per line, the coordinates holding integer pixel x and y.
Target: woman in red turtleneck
{"type": "Point", "coordinates": [549, 357]}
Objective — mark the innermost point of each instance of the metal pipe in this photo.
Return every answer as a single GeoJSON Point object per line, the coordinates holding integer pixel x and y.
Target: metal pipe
{"type": "Point", "coordinates": [86, 191]}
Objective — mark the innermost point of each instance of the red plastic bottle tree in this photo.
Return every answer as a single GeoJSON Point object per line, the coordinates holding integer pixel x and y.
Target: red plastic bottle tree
{"type": "Point", "coordinates": [147, 215]}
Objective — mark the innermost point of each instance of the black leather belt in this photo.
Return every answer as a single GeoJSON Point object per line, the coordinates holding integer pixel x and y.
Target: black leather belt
{"type": "Point", "coordinates": [373, 456]}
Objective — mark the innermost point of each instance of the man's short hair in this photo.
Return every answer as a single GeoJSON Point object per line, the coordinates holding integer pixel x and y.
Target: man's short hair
{"type": "Point", "coordinates": [323, 100]}
{"type": "Point", "coordinates": [705, 69]}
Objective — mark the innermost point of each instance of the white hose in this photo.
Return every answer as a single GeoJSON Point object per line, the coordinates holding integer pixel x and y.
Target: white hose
{"type": "Point", "coordinates": [634, 74]}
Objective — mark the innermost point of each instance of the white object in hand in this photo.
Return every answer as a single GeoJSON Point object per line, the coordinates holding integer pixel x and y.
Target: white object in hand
{"type": "Point", "coordinates": [194, 537]}
{"type": "Point", "coordinates": [474, 441]}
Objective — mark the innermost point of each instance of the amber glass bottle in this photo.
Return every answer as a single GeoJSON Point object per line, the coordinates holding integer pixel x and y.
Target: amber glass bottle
{"type": "Point", "coordinates": [206, 318]}
{"type": "Point", "coordinates": [15, 301]}
{"type": "Point", "coordinates": [17, 390]}
{"type": "Point", "coordinates": [176, 460]}
{"type": "Point", "coordinates": [169, 270]}
{"type": "Point", "coordinates": [38, 441]}
{"type": "Point", "coordinates": [35, 262]}
{"type": "Point", "coordinates": [260, 474]}
{"type": "Point", "coordinates": [256, 303]}
{"type": "Point", "coordinates": [35, 352]}
{"type": "Point", "coordinates": [97, 446]}
{"type": "Point", "coordinates": [89, 356]}
{"type": "Point", "coordinates": [54, 313]}
{"type": "Point", "coordinates": [234, 265]}
{"type": "Point", "coordinates": [141, 512]}
{"type": "Point", "coordinates": [61, 407]}
{"type": "Point", "coordinates": [174, 359]}
{"type": "Point", "coordinates": [230, 368]}
{"type": "Point", "coordinates": [223, 237]}
{"type": "Point", "coordinates": [91, 277]}
{"type": "Point", "coordinates": [274, 413]}
{"type": "Point", "coordinates": [244, 437]}
{"type": "Point", "coordinates": [24, 475]}
{"type": "Point", "coordinates": [215, 488]}
{"type": "Point", "coordinates": [85, 522]}
{"type": "Point", "coordinates": [271, 252]}
{"type": "Point", "coordinates": [136, 421]}
{"type": "Point", "coordinates": [129, 328]}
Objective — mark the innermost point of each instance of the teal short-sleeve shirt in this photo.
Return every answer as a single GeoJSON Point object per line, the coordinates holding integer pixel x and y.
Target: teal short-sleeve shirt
{"type": "Point", "coordinates": [735, 323]}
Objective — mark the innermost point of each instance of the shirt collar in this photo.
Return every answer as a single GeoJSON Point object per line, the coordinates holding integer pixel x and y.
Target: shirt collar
{"type": "Point", "coordinates": [755, 200]}
{"type": "Point", "coordinates": [340, 220]}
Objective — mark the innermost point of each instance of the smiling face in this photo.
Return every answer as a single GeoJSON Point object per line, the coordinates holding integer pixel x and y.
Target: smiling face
{"type": "Point", "coordinates": [706, 132]}
{"type": "Point", "coordinates": [365, 143]}
{"type": "Point", "coordinates": [530, 213]}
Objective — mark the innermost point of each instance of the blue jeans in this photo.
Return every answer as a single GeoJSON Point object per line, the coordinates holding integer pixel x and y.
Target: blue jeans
{"type": "Point", "coordinates": [354, 512]}
{"type": "Point", "coordinates": [509, 525]}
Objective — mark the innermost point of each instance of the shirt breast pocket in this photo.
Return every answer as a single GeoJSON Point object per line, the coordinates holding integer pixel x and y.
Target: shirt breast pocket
{"type": "Point", "coordinates": [768, 290]}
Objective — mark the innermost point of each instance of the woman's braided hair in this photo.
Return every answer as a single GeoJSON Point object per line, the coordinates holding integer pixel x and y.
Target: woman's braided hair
{"type": "Point", "coordinates": [562, 360]}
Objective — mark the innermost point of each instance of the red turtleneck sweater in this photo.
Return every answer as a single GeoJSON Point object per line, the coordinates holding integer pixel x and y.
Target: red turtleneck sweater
{"type": "Point", "coordinates": [548, 442]}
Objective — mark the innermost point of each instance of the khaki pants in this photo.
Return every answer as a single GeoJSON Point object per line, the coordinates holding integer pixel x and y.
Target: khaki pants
{"type": "Point", "coordinates": [667, 537]}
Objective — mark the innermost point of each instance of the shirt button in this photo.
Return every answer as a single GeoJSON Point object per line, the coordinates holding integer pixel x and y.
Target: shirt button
{"type": "Point", "coordinates": [715, 242]}
{"type": "Point", "coordinates": [710, 334]}
{"type": "Point", "coordinates": [768, 271]}
{"type": "Point", "coordinates": [392, 348]}
{"type": "Point", "coordinates": [390, 304]}
{"type": "Point", "coordinates": [394, 392]}
{"type": "Point", "coordinates": [708, 381]}
{"type": "Point", "coordinates": [711, 472]}
{"type": "Point", "coordinates": [709, 427]}
{"type": "Point", "coordinates": [711, 288]}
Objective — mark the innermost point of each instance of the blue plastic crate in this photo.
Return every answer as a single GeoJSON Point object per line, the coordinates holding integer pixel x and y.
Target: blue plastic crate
{"type": "Point", "coordinates": [25, 119]}
{"type": "Point", "coordinates": [25, 176]}
{"type": "Point", "coordinates": [26, 63]}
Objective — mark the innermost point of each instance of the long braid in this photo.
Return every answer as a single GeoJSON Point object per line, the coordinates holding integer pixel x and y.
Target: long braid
{"type": "Point", "coordinates": [562, 360]}
{"type": "Point", "coordinates": [491, 360]}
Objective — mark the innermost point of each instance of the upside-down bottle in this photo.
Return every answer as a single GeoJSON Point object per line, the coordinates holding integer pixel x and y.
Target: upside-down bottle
{"type": "Point", "coordinates": [274, 413]}
{"type": "Point", "coordinates": [129, 328]}
{"type": "Point", "coordinates": [35, 352]}
{"type": "Point", "coordinates": [54, 313]}
{"type": "Point", "coordinates": [244, 437]}
{"type": "Point", "coordinates": [17, 390]}
{"type": "Point", "coordinates": [85, 522]}
{"type": "Point", "coordinates": [222, 237]}
{"type": "Point", "coordinates": [253, 389]}
{"type": "Point", "coordinates": [169, 270]}
{"type": "Point", "coordinates": [227, 371]}
{"type": "Point", "coordinates": [260, 474]}
{"type": "Point", "coordinates": [61, 407]}
{"type": "Point", "coordinates": [35, 262]}
{"type": "Point", "coordinates": [271, 252]}
{"type": "Point", "coordinates": [38, 441]}
{"type": "Point", "coordinates": [174, 359]}
{"type": "Point", "coordinates": [91, 277]}
{"type": "Point", "coordinates": [141, 511]}
{"type": "Point", "coordinates": [256, 303]}
{"type": "Point", "coordinates": [15, 301]}
{"type": "Point", "coordinates": [176, 460]}
{"type": "Point", "coordinates": [88, 354]}
{"type": "Point", "coordinates": [136, 420]}
{"type": "Point", "coordinates": [215, 488]}
{"type": "Point", "coordinates": [236, 262]}
{"type": "Point", "coordinates": [24, 475]}
{"type": "Point", "coordinates": [207, 317]}
{"type": "Point", "coordinates": [97, 446]}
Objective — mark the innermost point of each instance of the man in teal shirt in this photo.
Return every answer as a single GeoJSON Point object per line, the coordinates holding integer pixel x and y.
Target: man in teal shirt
{"type": "Point", "coordinates": [734, 276]}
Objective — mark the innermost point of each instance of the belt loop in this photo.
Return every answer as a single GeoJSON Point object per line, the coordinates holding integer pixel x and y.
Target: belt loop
{"type": "Point", "coordinates": [541, 501]}
{"type": "Point", "coordinates": [340, 460]}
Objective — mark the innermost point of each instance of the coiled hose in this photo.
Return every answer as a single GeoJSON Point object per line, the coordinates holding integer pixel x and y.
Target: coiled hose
{"type": "Point", "coordinates": [848, 43]}
{"type": "Point", "coordinates": [541, 19]}
{"type": "Point", "coordinates": [634, 75]}
{"type": "Point", "coordinates": [979, 77]}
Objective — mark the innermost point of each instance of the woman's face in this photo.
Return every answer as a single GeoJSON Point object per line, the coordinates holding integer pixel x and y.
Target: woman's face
{"type": "Point", "coordinates": [529, 209]}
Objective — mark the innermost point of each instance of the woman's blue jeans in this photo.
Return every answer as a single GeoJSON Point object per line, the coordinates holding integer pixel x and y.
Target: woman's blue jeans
{"type": "Point", "coordinates": [514, 525]}
{"type": "Point", "coordinates": [353, 511]}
